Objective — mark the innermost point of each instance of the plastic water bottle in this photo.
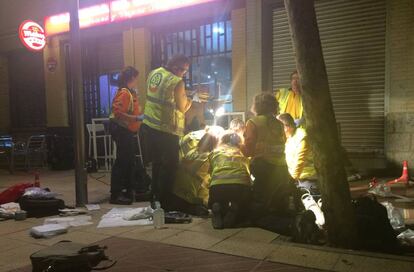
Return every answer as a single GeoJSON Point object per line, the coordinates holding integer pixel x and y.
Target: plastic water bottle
{"type": "Point", "coordinates": [158, 216]}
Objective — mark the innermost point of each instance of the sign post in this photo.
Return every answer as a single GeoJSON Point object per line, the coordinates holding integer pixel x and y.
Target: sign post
{"type": "Point", "coordinates": [77, 106]}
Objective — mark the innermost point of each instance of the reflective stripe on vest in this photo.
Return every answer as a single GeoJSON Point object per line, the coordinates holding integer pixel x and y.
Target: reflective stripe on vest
{"type": "Point", "coordinates": [160, 109]}
{"type": "Point", "coordinates": [229, 166]}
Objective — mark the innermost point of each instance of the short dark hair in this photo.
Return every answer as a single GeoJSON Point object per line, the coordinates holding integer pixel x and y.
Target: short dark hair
{"type": "Point", "coordinates": [295, 72]}
{"type": "Point", "coordinates": [287, 120]}
{"type": "Point", "coordinates": [265, 104]}
{"type": "Point", "coordinates": [127, 74]}
{"type": "Point", "coordinates": [231, 139]}
{"type": "Point", "coordinates": [178, 60]}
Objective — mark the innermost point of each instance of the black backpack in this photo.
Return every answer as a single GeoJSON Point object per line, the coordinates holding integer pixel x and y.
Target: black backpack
{"type": "Point", "coordinates": [66, 256]}
{"type": "Point", "coordinates": [375, 232]}
{"type": "Point", "coordinates": [41, 207]}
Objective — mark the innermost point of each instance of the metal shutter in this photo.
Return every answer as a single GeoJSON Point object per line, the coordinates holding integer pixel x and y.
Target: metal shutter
{"type": "Point", "coordinates": [110, 53]}
{"type": "Point", "coordinates": [353, 41]}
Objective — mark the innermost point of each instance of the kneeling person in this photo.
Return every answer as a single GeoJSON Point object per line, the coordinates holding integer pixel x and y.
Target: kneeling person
{"type": "Point", "coordinates": [230, 186]}
{"type": "Point", "coordinates": [190, 191]}
{"type": "Point", "coordinates": [299, 157]}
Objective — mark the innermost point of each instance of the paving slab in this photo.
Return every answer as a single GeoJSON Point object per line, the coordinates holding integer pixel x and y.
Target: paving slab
{"type": "Point", "coordinates": [239, 246]}
{"type": "Point", "coordinates": [193, 239]}
{"type": "Point", "coordinates": [304, 257]}
{"type": "Point", "coordinates": [355, 263]}
{"type": "Point", "coordinates": [148, 233]}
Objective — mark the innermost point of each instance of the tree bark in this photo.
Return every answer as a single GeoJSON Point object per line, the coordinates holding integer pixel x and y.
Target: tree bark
{"type": "Point", "coordinates": [321, 124]}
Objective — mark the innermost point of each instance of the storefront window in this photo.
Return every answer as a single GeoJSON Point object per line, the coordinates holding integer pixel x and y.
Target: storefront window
{"type": "Point", "coordinates": [107, 87]}
{"type": "Point", "coordinates": [209, 46]}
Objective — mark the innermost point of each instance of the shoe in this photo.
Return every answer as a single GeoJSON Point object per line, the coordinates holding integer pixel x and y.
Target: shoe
{"type": "Point", "coordinates": [216, 219]}
{"type": "Point", "coordinates": [143, 196]}
{"type": "Point", "coordinates": [305, 229]}
{"type": "Point", "coordinates": [120, 200]}
{"type": "Point", "coordinates": [230, 218]}
{"type": "Point", "coordinates": [200, 211]}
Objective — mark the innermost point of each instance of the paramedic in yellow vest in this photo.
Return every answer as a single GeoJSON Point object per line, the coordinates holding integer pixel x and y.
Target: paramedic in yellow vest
{"type": "Point", "coordinates": [230, 186]}
{"type": "Point", "coordinates": [190, 191]}
{"type": "Point", "coordinates": [299, 156]}
{"type": "Point", "coordinates": [265, 144]}
{"type": "Point", "coordinates": [290, 100]}
{"type": "Point", "coordinates": [166, 105]}
{"type": "Point", "coordinates": [125, 122]}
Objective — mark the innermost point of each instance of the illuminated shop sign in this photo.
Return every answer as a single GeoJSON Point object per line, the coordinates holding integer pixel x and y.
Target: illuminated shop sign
{"type": "Point", "coordinates": [32, 35]}
{"type": "Point", "coordinates": [114, 11]}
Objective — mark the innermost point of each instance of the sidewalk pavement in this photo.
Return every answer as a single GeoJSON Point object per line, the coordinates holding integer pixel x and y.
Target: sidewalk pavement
{"type": "Point", "coordinates": [252, 243]}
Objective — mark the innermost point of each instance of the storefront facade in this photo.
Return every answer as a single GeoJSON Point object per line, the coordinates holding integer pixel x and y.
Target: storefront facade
{"type": "Point", "coordinates": [210, 33]}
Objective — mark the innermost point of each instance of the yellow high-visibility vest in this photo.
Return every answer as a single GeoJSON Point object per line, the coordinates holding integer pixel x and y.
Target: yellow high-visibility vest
{"type": "Point", "coordinates": [299, 153]}
{"type": "Point", "coordinates": [283, 96]}
{"type": "Point", "coordinates": [270, 143]}
{"type": "Point", "coordinates": [161, 112]}
{"type": "Point", "coordinates": [229, 166]}
{"type": "Point", "coordinates": [190, 141]}
{"type": "Point", "coordinates": [192, 178]}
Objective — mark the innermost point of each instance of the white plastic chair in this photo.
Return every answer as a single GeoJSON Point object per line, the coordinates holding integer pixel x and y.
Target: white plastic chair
{"type": "Point", "coordinates": [98, 131]}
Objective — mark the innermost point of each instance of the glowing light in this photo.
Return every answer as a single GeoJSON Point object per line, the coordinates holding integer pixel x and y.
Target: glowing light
{"type": "Point", "coordinates": [116, 10]}
{"type": "Point", "coordinates": [220, 112]}
{"type": "Point", "coordinates": [32, 35]}
{"type": "Point", "coordinates": [218, 30]}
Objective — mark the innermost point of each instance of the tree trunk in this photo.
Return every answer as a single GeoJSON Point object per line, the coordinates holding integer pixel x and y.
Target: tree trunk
{"type": "Point", "coordinates": [321, 123]}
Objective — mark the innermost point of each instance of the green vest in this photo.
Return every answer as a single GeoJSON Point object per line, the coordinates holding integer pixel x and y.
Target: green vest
{"type": "Point", "coordinates": [160, 110]}
{"type": "Point", "coordinates": [270, 143]}
{"type": "Point", "coordinates": [192, 178]}
{"type": "Point", "coordinates": [229, 166]}
{"type": "Point", "coordinates": [190, 141]}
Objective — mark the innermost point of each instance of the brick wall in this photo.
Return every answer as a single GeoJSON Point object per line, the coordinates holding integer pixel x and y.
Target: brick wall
{"type": "Point", "coordinates": [400, 82]}
{"type": "Point", "coordinates": [239, 73]}
{"type": "Point", "coordinates": [4, 96]}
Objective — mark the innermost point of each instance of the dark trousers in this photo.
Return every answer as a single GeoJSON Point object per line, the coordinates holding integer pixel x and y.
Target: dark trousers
{"type": "Point", "coordinates": [272, 188]}
{"type": "Point", "coordinates": [231, 195]}
{"type": "Point", "coordinates": [124, 168]}
{"type": "Point", "coordinates": [163, 149]}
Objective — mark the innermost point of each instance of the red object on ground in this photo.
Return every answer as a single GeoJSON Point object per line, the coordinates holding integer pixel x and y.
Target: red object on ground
{"type": "Point", "coordinates": [373, 182]}
{"type": "Point", "coordinates": [14, 192]}
{"type": "Point", "coordinates": [404, 177]}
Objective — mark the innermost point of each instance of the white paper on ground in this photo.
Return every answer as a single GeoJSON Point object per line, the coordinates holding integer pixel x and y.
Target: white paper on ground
{"type": "Point", "coordinates": [75, 221]}
{"type": "Point", "coordinates": [93, 207]}
{"type": "Point", "coordinates": [114, 218]}
{"type": "Point", "coordinates": [48, 230]}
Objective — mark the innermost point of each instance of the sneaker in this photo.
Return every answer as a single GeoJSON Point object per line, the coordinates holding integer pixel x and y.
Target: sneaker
{"type": "Point", "coordinates": [120, 200]}
{"type": "Point", "coordinates": [216, 219]}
